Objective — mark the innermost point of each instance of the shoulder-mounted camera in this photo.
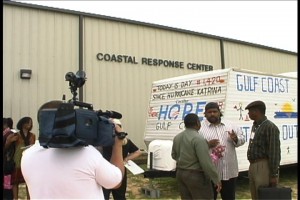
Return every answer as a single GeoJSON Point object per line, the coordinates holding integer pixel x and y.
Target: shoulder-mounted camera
{"type": "Point", "coordinates": [75, 123]}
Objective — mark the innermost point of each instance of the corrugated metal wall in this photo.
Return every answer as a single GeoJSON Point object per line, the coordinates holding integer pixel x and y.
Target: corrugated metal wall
{"type": "Point", "coordinates": [258, 59]}
{"type": "Point", "coordinates": [47, 42]}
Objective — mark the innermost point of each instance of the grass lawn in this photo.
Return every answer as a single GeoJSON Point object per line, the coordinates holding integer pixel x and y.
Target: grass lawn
{"type": "Point", "coordinates": [166, 188]}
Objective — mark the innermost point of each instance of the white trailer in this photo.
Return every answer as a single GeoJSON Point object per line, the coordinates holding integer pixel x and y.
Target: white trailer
{"type": "Point", "coordinates": [233, 89]}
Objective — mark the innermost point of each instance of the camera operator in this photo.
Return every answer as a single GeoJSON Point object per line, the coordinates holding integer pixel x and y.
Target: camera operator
{"type": "Point", "coordinates": [71, 173]}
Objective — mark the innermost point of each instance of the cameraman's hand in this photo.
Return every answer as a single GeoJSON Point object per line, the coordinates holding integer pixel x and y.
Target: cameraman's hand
{"type": "Point", "coordinates": [118, 142]}
{"type": "Point", "coordinates": [118, 128]}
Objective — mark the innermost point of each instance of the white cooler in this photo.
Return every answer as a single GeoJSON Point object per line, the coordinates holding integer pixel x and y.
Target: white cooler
{"type": "Point", "coordinates": [162, 159]}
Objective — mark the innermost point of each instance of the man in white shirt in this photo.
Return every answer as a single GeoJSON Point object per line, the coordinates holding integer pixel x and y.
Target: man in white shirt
{"type": "Point", "coordinates": [220, 132]}
{"type": "Point", "coordinates": [71, 173]}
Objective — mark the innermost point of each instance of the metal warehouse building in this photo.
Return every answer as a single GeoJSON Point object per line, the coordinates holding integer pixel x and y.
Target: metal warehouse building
{"type": "Point", "coordinates": [121, 59]}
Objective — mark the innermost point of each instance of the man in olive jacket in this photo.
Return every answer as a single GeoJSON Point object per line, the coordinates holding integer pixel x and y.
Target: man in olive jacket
{"type": "Point", "coordinates": [195, 169]}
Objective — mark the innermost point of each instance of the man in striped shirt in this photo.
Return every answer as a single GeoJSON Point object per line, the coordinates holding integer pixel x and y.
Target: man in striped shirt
{"type": "Point", "coordinates": [220, 132]}
{"type": "Point", "coordinates": [263, 150]}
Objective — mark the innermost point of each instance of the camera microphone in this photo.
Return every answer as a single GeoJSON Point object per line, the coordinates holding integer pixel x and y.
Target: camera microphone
{"type": "Point", "coordinates": [70, 76]}
{"type": "Point", "coordinates": [110, 114]}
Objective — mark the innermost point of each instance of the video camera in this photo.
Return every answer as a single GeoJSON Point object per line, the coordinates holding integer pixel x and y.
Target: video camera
{"type": "Point", "coordinates": [63, 126]}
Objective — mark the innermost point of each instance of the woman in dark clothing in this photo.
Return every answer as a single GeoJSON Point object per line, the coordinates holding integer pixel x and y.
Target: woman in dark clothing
{"type": "Point", "coordinates": [24, 140]}
{"type": "Point", "coordinates": [9, 139]}
{"type": "Point", "coordinates": [130, 152]}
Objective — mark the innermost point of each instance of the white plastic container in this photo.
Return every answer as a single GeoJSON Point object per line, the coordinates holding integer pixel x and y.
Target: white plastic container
{"type": "Point", "coordinates": [162, 159]}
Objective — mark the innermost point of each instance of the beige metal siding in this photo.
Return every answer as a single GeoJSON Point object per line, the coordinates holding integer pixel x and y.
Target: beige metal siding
{"type": "Point", "coordinates": [258, 59]}
{"type": "Point", "coordinates": [46, 43]}
{"type": "Point", "coordinates": [126, 87]}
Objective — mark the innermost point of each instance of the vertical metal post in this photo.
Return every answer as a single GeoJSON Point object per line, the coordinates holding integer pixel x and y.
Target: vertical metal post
{"type": "Point", "coordinates": [80, 53]}
{"type": "Point", "coordinates": [151, 160]}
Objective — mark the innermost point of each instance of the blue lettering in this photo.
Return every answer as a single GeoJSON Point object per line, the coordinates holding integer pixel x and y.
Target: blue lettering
{"type": "Point", "coordinates": [247, 131]}
{"type": "Point", "coordinates": [289, 131]}
{"type": "Point", "coordinates": [200, 107]}
{"type": "Point", "coordinates": [286, 87]}
{"type": "Point", "coordinates": [239, 86]}
{"type": "Point", "coordinates": [173, 111]}
{"type": "Point", "coordinates": [247, 86]}
{"type": "Point", "coordinates": [174, 114]}
{"type": "Point", "coordinates": [246, 83]}
{"type": "Point", "coordinates": [262, 85]}
{"type": "Point", "coordinates": [274, 85]}
{"type": "Point", "coordinates": [188, 107]}
{"type": "Point", "coordinates": [270, 85]}
{"type": "Point", "coordinates": [254, 83]}
{"type": "Point", "coordinates": [267, 84]}
{"type": "Point", "coordinates": [161, 112]}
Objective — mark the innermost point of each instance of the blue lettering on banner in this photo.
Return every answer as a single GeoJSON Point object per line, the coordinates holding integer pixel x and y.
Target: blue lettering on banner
{"type": "Point", "coordinates": [163, 112]}
{"type": "Point", "coordinates": [289, 131]}
{"type": "Point", "coordinates": [247, 132]}
{"type": "Point", "coordinates": [188, 107]}
{"type": "Point", "coordinates": [177, 110]}
{"type": "Point", "coordinates": [275, 85]}
{"type": "Point", "coordinates": [247, 83]}
{"type": "Point", "coordinates": [173, 110]}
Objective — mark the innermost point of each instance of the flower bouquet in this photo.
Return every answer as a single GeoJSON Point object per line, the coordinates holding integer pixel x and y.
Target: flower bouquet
{"type": "Point", "coordinates": [217, 153]}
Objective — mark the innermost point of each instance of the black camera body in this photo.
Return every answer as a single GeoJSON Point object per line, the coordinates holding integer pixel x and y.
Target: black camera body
{"type": "Point", "coordinates": [67, 126]}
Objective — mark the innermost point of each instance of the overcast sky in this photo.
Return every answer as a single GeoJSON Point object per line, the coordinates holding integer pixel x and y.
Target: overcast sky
{"type": "Point", "coordinates": [269, 23]}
